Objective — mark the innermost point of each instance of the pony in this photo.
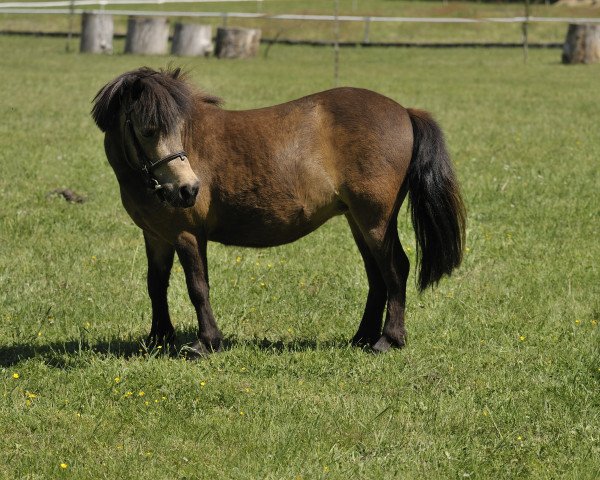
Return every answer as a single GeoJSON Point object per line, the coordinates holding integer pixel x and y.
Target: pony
{"type": "Point", "coordinates": [190, 172]}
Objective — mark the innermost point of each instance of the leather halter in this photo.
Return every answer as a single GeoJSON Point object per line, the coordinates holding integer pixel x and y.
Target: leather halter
{"type": "Point", "coordinates": [148, 166]}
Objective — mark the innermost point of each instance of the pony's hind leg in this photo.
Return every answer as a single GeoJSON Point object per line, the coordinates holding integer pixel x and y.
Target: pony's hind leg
{"type": "Point", "coordinates": [369, 329]}
{"type": "Point", "coordinates": [394, 266]}
{"type": "Point", "coordinates": [382, 240]}
{"type": "Point", "coordinates": [160, 260]}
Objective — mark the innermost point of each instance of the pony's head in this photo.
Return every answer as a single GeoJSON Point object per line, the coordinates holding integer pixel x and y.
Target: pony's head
{"type": "Point", "coordinates": [150, 109]}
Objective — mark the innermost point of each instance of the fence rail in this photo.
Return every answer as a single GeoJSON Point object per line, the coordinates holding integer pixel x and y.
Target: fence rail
{"type": "Point", "coordinates": [50, 8]}
{"type": "Point", "coordinates": [74, 8]}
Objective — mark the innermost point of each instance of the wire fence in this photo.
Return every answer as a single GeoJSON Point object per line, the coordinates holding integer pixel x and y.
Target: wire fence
{"type": "Point", "coordinates": [74, 7]}
{"type": "Point", "coordinates": [50, 8]}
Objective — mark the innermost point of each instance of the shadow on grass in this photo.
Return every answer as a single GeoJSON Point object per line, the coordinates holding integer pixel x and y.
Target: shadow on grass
{"type": "Point", "coordinates": [63, 355]}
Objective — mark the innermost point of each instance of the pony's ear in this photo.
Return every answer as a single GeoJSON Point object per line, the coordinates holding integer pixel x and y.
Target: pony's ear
{"type": "Point", "coordinates": [107, 103]}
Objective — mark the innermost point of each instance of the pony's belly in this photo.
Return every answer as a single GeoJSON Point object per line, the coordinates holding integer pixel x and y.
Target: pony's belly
{"type": "Point", "coordinates": [259, 230]}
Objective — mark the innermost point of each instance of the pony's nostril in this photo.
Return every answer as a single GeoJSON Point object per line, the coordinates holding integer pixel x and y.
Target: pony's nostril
{"type": "Point", "coordinates": [188, 193]}
{"type": "Point", "coordinates": [195, 188]}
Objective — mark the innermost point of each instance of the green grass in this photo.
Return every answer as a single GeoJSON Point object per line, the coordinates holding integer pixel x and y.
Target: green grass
{"type": "Point", "coordinates": [500, 377]}
{"type": "Point", "coordinates": [349, 31]}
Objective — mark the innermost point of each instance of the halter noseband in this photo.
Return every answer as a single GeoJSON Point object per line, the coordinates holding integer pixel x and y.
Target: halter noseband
{"type": "Point", "coordinates": [148, 166]}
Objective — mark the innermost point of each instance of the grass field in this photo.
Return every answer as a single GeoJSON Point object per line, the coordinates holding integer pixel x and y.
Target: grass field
{"type": "Point", "coordinates": [501, 375]}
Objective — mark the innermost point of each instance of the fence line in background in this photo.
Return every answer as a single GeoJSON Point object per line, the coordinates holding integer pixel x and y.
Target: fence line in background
{"type": "Point", "coordinates": [525, 21]}
{"type": "Point", "coordinates": [266, 16]}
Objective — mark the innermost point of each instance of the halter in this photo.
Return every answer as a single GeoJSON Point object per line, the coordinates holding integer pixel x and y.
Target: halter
{"type": "Point", "coordinates": [148, 166]}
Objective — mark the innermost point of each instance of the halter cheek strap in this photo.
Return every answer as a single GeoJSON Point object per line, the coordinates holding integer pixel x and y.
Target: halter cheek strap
{"type": "Point", "coordinates": [148, 166]}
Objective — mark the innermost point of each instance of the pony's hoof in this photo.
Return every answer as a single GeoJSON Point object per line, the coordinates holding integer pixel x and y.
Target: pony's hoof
{"type": "Point", "coordinates": [385, 343]}
{"type": "Point", "coordinates": [195, 350]}
{"type": "Point", "coordinates": [201, 348]}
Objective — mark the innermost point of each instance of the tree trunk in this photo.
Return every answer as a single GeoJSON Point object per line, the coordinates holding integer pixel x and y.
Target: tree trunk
{"type": "Point", "coordinates": [582, 44]}
{"type": "Point", "coordinates": [147, 35]}
{"type": "Point", "coordinates": [237, 42]}
{"type": "Point", "coordinates": [96, 33]}
{"type": "Point", "coordinates": [191, 40]}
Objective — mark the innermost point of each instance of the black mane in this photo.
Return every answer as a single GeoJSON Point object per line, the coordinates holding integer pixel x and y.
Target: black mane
{"type": "Point", "coordinates": [161, 98]}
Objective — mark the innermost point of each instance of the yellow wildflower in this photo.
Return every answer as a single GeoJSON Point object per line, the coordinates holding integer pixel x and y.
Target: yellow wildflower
{"type": "Point", "coordinates": [16, 375]}
{"type": "Point", "coordinates": [64, 466]}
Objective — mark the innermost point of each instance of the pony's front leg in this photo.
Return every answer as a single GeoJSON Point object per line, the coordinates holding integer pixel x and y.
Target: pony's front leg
{"type": "Point", "coordinates": [191, 250]}
{"type": "Point", "coordinates": [160, 260]}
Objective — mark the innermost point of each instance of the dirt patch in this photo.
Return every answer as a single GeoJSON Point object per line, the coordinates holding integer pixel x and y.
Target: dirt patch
{"type": "Point", "coordinates": [68, 194]}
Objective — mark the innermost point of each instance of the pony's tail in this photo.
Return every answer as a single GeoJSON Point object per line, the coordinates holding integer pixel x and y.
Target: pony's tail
{"type": "Point", "coordinates": [437, 210]}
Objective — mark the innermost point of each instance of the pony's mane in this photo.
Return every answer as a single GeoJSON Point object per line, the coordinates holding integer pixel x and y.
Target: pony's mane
{"type": "Point", "coordinates": [161, 98]}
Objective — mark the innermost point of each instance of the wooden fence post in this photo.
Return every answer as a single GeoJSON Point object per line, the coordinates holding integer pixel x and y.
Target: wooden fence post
{"type": "Point", "coordinates": [525, 28]}
{"type": "Point", "coordinates": [96, 33]}
{"type": "Point", "coordinates": [582, 44]}
{"type": "Point", "coordinates": [237, 42]}
{"type": "Point", "coordinates": [367, 29]}
{"type": "Point", "coordinates": [147, 35]}
{"type": "Point", "coordinates": [192, 40]}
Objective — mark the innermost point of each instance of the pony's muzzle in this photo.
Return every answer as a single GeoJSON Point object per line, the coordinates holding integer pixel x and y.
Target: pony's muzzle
{"type": "Point", "coordinates": [188, 194]}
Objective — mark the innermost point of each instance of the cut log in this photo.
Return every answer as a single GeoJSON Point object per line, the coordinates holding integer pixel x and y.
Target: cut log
{"type": "Point", "coordinates": [147, 35]}
{"type": "Point", "coordinates": [96, 33]}
{"type": "Point", "coordinates": [192, 40]}
{"type": "Point", "coordinates": [582, 44]}
{"type": "Point", "coordinates": [237, 42]}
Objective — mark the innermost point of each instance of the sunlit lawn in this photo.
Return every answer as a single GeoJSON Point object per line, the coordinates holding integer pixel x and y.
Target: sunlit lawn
{"type": "Point", "coordinates": [501, 374]}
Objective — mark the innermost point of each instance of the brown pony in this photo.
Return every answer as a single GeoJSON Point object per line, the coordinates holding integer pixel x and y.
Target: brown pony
{"type": "Point", "coordinates": [190, 171]}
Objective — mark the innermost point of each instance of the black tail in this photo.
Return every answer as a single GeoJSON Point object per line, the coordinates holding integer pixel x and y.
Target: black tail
{"type": "Point", "coordinates": [437, 210]}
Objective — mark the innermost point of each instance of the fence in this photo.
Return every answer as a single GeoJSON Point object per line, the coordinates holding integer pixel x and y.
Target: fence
{"type": "Point", "coordinates": [52, 7]}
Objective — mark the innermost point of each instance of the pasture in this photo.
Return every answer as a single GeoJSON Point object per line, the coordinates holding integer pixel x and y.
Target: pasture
{"type": "Point", "coordinates": [501, 374]}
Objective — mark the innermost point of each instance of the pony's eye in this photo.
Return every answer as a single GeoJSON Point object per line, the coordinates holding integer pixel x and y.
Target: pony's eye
{"type": "Point", "coordinates": [148, 132]}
